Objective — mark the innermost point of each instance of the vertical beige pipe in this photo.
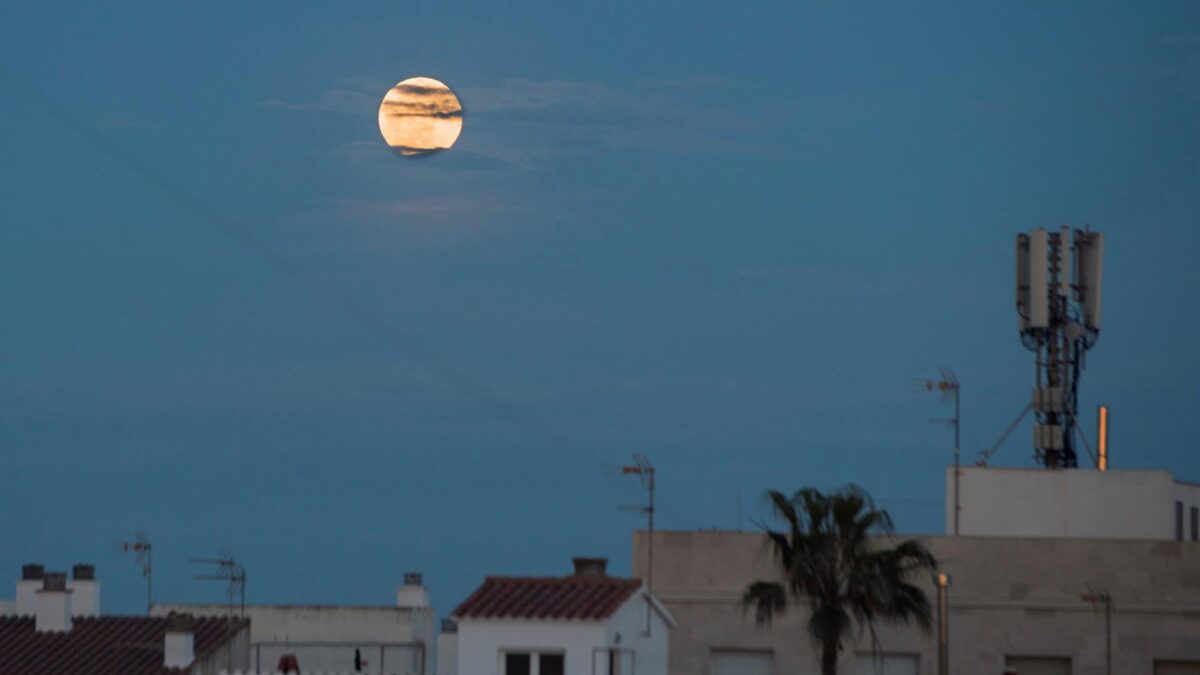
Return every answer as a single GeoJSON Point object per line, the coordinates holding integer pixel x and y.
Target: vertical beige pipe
{"type": "Point", "coordinates": [1102, 438]}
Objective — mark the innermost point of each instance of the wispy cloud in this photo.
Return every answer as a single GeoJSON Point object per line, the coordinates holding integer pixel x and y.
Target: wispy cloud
{"type": "Point", "coordinates": [404, 223]}
{"type": "Point", "coordinates": [350, 96]}
{"type": "Point", "coordinates": [531, 123]}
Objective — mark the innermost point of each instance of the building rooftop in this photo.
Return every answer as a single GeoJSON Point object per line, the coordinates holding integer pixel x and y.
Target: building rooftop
{"type": "Point", "coordinates": [582, 597]}
{"type": "Point", "coordinates": [110, 645]}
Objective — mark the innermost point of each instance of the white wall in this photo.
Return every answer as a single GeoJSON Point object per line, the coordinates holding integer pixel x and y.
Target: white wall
{"type": "Point", "coordinates": [1189, 495]}
{"type": "Point", "coordinates": [25, 603]}
{"type": "Point", "coordinates": [1074, 503]}
{"type": "Point", "coordinates": [481, 641]}
{"type": "Point", "coordinates": [352, 626]}
{"type": "Point", "coordinates": [325, 623]}
{"type": "Point", "coordinates": [1009, 597]}
{"type": "Point", "coordinates": [447, 654]}
{"type": "Point", "coordinates": [85, 597]}
{"type": "Point", "coordinates": [630, 622]}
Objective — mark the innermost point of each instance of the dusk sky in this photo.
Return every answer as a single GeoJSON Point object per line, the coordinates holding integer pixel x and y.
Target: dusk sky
{"type": "Point", "coordinates": [727, 235]}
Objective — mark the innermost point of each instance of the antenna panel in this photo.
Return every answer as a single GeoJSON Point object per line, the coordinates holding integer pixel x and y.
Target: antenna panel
{"type": "Point", "coordinates": [1023, 281]}
{"type": "Point", "coordinates": [1039, 301]}
{"type": "Point", "coordinates": [1064, 262]}
{"type": "Point", "coordinates": [1048, 437]}
{"type": "Point", "coordinates": [1090, 272]}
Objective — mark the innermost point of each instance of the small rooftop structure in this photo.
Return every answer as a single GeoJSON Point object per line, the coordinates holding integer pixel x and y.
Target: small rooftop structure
{"type": "Point", "coordinates": [586, 622]}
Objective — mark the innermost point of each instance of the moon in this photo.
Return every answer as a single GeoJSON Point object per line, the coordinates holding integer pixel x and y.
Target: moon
{"type": "Point", "coordinates": [420, 116]}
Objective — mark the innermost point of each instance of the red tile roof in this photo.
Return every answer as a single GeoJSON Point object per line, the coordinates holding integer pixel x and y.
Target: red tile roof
{"type": "Point", "coordinates": [574, 597]}
{"type": "Point", "coordinates": [108, 645]}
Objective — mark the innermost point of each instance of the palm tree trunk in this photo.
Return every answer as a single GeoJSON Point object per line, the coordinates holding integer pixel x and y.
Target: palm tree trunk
{"type": "Point", "coordinates": [829, 658]}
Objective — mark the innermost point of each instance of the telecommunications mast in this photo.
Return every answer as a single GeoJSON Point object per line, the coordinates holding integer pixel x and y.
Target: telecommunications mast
{"type": "Point", "coordinates": [1059, 282]}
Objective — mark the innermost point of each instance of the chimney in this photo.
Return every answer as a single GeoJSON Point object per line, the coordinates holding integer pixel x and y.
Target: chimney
{"type": "Point", "coordinates": [54, 604]}
{"type": "Point", "coordinates": [413, 594]}
{"type": "Point", "coordinates": [447, 648]}
{"type": "Point", "coordinates": [27, 587]}
{"type": "Point", "coordinates": [590, 567]}
{"type": "Point", "coordinates": [179, 647]}
{"type": "Point", "coordinates": [85, 596]}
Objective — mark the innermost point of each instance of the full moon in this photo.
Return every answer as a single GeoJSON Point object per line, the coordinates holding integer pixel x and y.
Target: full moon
{"type": "Point", "coordinates": [420, 116]}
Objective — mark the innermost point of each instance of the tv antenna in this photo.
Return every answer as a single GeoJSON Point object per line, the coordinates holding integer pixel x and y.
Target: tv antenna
{"type": "Point", "coordinates": [140, 547]}
{"type": "Point", "coordinates": [1059, 283]}
{"type": "Point", "coordinates": [949, 388]}
{"type": "Point", "coordinates": [226, 569]}
{"type": "Point", "coordinates": [644, 470]}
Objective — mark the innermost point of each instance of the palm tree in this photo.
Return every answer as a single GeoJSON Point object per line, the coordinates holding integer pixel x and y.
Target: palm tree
{"type": "Point", "coordinates": [828, 561]}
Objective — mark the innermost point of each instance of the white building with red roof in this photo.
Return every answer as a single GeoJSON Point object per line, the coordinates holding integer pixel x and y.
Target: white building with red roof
{"type": "Point", "coordinates": [587, 623]}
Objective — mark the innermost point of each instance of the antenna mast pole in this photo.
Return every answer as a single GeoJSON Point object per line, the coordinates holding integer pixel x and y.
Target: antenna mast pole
{"type": "Point", "coordinates": [949, 387]}
{"type": "Point", "coordinates": [644, 470]}
{"type": "Point", "coordinates": [140, 546]}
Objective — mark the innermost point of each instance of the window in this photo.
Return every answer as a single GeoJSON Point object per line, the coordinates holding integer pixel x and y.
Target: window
{"type": "Point", "coordinates": [1039, 665]}
{"type": "Point", "coordinates": [868, 663]}
{"type": "Point", "coordinates": [517, 664]}
{"type": "Point", "coordinates": [533, 663]}
{"type": "Point", "coordinates": [1178, 521]}
{"type": "Point", "coordinates": [741, 662]}
{"type": "Point", "coordinates": [551, 664]}
{"type": "Point", "coordinates": [1177, 668]}
{"type": "Point", "coordinates": [1195, 524]}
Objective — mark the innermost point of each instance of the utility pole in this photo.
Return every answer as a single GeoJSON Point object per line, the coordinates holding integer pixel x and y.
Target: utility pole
{"type": "Point", "coordinates": [942, 580]}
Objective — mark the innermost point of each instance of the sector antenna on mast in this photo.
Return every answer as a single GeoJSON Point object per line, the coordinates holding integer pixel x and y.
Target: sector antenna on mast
{"type": "Point", "coordinates": [1058, 290]}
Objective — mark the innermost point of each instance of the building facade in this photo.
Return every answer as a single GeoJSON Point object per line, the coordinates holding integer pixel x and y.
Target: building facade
{"type": "Point", "coordinates": [586, 623]}
{"type": "Point", "coordinates": [1033, 605]}
{"type": "Point", "coordinates": [1004, 502]}
{"type": "Point", "coordinates": [395, 640]}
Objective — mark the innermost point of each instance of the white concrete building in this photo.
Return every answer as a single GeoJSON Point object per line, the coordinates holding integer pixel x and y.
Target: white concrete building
{"type": "Point", "coordinates": [1045, 556]}
{"type": "Point", "coordinates": [391, 640]}
{"type": "Point", "coordinates": [587, 623]}
{"type": "Point", "coordinates": [1074, 503]}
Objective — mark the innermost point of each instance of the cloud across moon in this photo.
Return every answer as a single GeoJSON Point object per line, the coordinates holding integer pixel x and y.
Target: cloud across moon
{"type": "Point", "coordinates": [420, 116]}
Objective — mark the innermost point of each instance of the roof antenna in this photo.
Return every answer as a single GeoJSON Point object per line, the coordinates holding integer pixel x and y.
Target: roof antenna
{"type": "Point", "coordinates": [229, 570]}
{"type": "Point", "coordinates": [949, 388]}
{"type": "Point", "coordinates": [644, 470]}
{"type": "Point", "coordinates": [232, 571]}
{"type": "Point", "coordinates": [140, 546]}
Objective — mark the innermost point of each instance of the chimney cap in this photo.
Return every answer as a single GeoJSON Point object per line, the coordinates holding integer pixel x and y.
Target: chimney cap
{"type": "Point", "coordinates": [54, 582]}
{"type": "Point", "coordinates": [591, 567]}
{"type": "Point", "coordinates": [413, 578]}
{"type": "Point", "coordinates": [449, 626]}
{"type": "Point", "coordinates": [180, 622]}
{"type": "Point", "coordinates": [83, 572]}
{"type": "Point", "coordinates": [32, 572]}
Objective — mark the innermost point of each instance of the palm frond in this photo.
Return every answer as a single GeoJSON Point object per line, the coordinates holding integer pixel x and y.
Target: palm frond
{"type": "Point", "coordinates": [768, 599]}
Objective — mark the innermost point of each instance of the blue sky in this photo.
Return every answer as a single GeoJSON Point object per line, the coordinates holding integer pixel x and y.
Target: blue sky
{"type": "Point", "coordinates": [727, 236]}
